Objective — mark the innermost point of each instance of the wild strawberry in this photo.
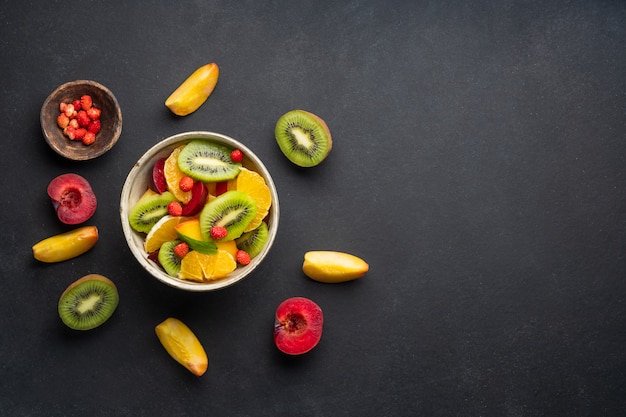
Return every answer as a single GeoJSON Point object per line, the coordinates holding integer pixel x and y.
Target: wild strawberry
{"type": "Point", "coordinates": [69, 132]}
{"type": "Point", "coordinates": [74, 123]}
{"type": "Point", "coordinates": [85, 102]}
{"type": "Point", "coordinates": [174, 208]}
{"type": "Point", "coordinates": [82, 118]}
{"type": "Point", "coordinates": [185, 184]}
{"type": "Point", "coordinates": [94, 113]}
{"type": "Point", "coordinates": [89, 138]}
{"type": "Point", "coordinates": [63, 120]}
{"type": "Point", "coordinates": [94, 126]}
{"type": "Point", "coordinates": [181, 250]}
{"type": "Point", "coordinates": [243, 257]}
{"type": "Point", "coordinates": [236, 155]}
{"type": "Point", "coordinates": [70, 111]}
{"type": "Point", "coordinates": [62, 106]}
{"type": "Point", "coordinates": [76, 104]}
{"type": "Point", "coordinates": [79, 134]}
{"type": "Point", "coordinates": [218, 232]}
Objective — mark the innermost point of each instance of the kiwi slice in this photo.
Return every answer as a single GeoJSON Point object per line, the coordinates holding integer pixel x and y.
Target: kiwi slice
{"type": "Point", "coordinates": [254, 241]}
{"type": "Point", "coordinates": [149, 210]}
{"type": "Point", "coordinates": [168, 259]}
{"type": "Point", "coordinates": [233, 210]}
{"type": "Point", "coordinates": [303, 137]}
{"type": "Point", "coordinates": [88, 302]}
{"type": "Point", "coordinates": [207, 162]}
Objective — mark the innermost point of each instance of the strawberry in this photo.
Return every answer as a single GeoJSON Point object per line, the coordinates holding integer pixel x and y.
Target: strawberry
{"type": "Point", "coordinates": [94, 113]}
{"type": "Point", "coordinates": [79, 134]}
{"type": "Point", "coordinates": [174, 208]}
{"type": "Point", "coordinates": [185, 184]}
{"type": "Point", "coordinates": [69, 131]}
{"type": "Point", "coordinates": [236, 155]}
{"type": "Point", "coordinates": [82, 118]}
{"type": "Point", "coordinates": [76, 104]}
{"type": "Point", "coordinates": [85, 102]}
{"type": "Point", "coordinates": [70, 111]}
{"type": "Point", "coordinates": [181, 250]}
{"type": "Point", "coordinates": [243, 257]}
{"type": "Point", "coordinates": [63, 120]}
{"type": "Point", "coordinates": [94, 126]}
{"type": "Point", "coordinates": [62, 107]}
{"type": "Point", "coordinates": [89, 138]}
{"type": "Point", "coordinates": [218, 232]}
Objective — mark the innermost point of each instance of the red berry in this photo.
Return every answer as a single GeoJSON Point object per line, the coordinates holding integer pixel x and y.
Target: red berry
{"type": "Point", "coordinates": [85, 102]}
{"type": "Point", "coordinates": [63, 121]}
{"type": "Point", "coordinates": [76, 104]}
{"type": "Point", "coordinates": [174, 208]}
{"type": "Point", "coordinates": [218, 232]}
{"type": "Point", "coordinates": [69, 131]}
{"type": "Point", "coordinates": [79, 134]}
{"type": "Point", "coordinates": [70, 111]}
{"type": "Point", "coordinates": [94, 113]}
{"type": "Point", "coordinates": [74, 123]}
{"type": "Point", "coordinates": [243, 257]}
{"type": "Point", "coordinates": [82, 118]}
{"type": "Point", "coordinates": [94, 126]}
{"type": "Point", "coordinates": [89, 138]}
{"type": "Point", "coordinates": [236, 155]}
{"type": "Point", "coordinates": [181, 250]}
{"type": "Point", "coordinates": [185, 184]}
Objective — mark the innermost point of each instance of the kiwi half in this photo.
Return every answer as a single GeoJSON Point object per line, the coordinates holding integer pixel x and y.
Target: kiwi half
{"type": "Point", "coordinates": [149, 210]}
{"type": "Point", "coordinates": [233, 210]}
{"type": "Point", "coordinates": [303, 137]}
{"type": "Point", "coordinates": [88, 302]}
{"type": "Point", "coordinates": [254, 241]}
{"type": "Point", "coordinates": [168, 259]}
{"type": "Point", "coordinates": [207, 162]}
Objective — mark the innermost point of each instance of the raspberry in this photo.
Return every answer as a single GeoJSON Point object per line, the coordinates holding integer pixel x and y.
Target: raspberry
{"type": "Point", "coordinates": [94, 113]}
{"type": "Point", "coordinates": [85, 102]}
{"type": "Point", "coordinates": [76, 104]}
{"type": "Point", "coordinates": [236, 155]}
{"type": "Point", "coordinates": [79, 134]}
{"type": "Point", "coordinates": [185, 184]}
{"type": "Point", "coordinates": [89, 138]}
{"type": "Point", "coordinates": [63, 121]}
{"type": "Point", "coordinates": [175, 209]}
{"type": "Point", "coordinates": [82, 118]}
{"type": "Point", "coordinates": [218, 232]}
{"type": "Point", "coordinates": [94, 126]}
{"type": "Point", "coordinates": [243, 257]}
{"type": "Point", "coordinates": [181, 250]}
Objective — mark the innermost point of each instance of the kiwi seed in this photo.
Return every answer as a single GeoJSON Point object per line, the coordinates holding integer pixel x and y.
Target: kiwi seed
{"type": "Point", "coordinates": [303, 137]}
{"type": "Point", "coordinates": [149, 210]}
{"type": "Point", "coordinates": [88, 302]}
{"type": "Point", "coordinates": [208, 162]}
{"type": "Point", "coordinates": [168, 259]}
{"type": "Point", "coordinates": [233, 210]}
{"type": "Point", "coordinates": [254, 241]}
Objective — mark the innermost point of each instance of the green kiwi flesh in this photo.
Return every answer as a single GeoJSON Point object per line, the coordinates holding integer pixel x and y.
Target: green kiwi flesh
{"type": "Point", "coordinates": [254, 241]}
{"type": "Point", "coordinates": [233, 210]}
{"type": "Point", "coordinates": [149, 210]}
{"type": "Point", "coordinates": [208, 162]}
{"type": "Point", "coordinates": [303, 137]}
{"type": "Point", "coordinates": [168, 259]}
{"type": "Point", "coordinates": [88, 302]}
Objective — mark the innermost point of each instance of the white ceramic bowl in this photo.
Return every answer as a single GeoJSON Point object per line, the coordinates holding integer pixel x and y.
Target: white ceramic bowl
{"type": "Point", "coordinates": [139, 180]}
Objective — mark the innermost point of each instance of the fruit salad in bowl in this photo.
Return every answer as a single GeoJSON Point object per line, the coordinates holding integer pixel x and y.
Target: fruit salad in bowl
{"type": "Point", "coordinates": [199, 211]}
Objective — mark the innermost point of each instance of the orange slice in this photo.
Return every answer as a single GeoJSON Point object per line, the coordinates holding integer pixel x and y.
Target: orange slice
{"type": "Point", "coordinates": [173, 175]}
{"type": "Point", "coordinates": [229, 246]}
{"type": "Point", "coordinates": [191, 267]}
{"type": "Point", "coordinates": [163, 231]}
{"type": "Point", "coordinates": [196, 266]}
{"type": "Point", "coordinates": [254, 185]}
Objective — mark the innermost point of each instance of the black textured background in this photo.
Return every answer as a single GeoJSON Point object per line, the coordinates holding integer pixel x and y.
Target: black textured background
{"type": "Point", "coordinates": [478, 166]}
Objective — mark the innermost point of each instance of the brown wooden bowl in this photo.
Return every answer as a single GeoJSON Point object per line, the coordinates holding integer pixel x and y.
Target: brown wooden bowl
{"type": "Point", "coordinates": [111, 120]}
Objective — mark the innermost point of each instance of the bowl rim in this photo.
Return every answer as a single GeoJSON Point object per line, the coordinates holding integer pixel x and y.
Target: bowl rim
{"type": "Point", "coordinates": [87, 155]}
{"type": "Point", "coordinates": [140, 255]}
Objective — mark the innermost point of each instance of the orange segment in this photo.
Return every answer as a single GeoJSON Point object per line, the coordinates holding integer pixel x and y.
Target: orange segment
{"type": "Point", "coordinates": [229, 246]}
{"type": "Point", "coordinates": [254, 185]}
{"type": "Point", "coordinates": [191, 267]}
{"type": "Point", "coordinates": [198, 267]}
{"type": "Point", "coordinates": [173, 175]}
{"type": "Point", "coordinates": [163, 231]}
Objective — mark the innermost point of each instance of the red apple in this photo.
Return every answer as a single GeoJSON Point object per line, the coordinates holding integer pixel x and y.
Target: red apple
{"type": "Point", "coordinates": [298, 325]}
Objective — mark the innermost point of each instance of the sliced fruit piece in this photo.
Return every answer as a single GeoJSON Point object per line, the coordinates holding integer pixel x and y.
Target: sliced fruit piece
{"type": "Point", "coordinates": [213, 266]}
{"type": "Point", "coordinates": [333, 267]}
{"type": "Point", "coordinates": [228, 246]}
{"type": "Point", "coordinates": [254, 241]}
{"type": "Point", "coordinates": [189, 232]}
{"type": "Point", "coordinates": [303, 137]}
{"type": "Point", "coordinates": [168, 259]}
{"type": "Point", "coordinates": [149, 192]}
{"type": "Point", "coordinates": [73, 198]}
{"type": "Point", "coordinates": [158, 176]}
{"type": "Point", "coordinates": [199, 194]}
{"type": "Point", "coordinates": [191, 267]}
{"type": "Point", "coordinates": [182, 345]}
{"type": "Point", "coordinates": [298, 325]}
{"type": "Point", "coordinates": [208, 162]}
{"type": "Point", "coordinates": [163, 231]}
{"type": "Point", "coordinates": [233, 210]}
{"type": "Point", "coordinates": [173, 175]}
{"type": "Point", "coordinates": [88, 302]}
{"type": "Point", "coordinates": [66, 245]}
{"type": "Point", "coordinates": [148, 211]}
{"type": "Point", "coordinates": [194, 91]}
{"type": "Point", "coordinates": [254, 185]}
